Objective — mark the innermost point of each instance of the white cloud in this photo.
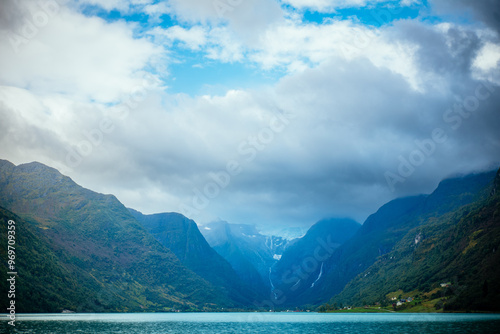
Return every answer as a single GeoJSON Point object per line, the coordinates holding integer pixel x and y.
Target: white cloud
{"type": "Point", "coordinates": [246, 19]}
{"type": "Point", "coordinates": [486, 66]}
{"type": "Point", "coordinates": [193, 38]}
{"type": "Point", "coordinates": [157, 9]}
{"type": "Point", "coordinates": [488, 58]}
{"type": "Point", "coordinates": [299, 46]}
{"type": "Point", "coordinates": [360, 96]}
{"type": "Point", "coordinates": [224, 46]}
{"type": "Point", "coordinates": [76, 55]}
{"type": "Point", "coordinates": [217, 43]}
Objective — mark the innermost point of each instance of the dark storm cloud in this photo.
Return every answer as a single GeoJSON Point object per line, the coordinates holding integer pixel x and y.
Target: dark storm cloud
{"type": "Point", "coordinates": [465, 107]}
{"type": "Point", "coordinates": [487, 11]}
{"type": "Point", "coordinates": [11, 14]}
{"type": "Point", "coordinates": [448, 54]}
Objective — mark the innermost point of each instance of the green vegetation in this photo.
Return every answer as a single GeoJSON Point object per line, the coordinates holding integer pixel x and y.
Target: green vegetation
{"type": "Point", "coordinates": [398, 301]}
{"type": "Point", "coordinates": [450, 261]}
{"type": "Point", "coordinates": [83, 251]}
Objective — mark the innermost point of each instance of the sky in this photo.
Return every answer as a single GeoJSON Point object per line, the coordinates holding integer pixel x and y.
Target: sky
{"type": "Point", "coordinates": [265, 112]}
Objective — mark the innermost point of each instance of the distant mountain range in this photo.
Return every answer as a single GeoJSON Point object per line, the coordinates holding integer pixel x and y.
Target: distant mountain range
{"type": "Point", "coordinates": [250, 253]}
{"type": "Point", "coordinates": [83, 251]}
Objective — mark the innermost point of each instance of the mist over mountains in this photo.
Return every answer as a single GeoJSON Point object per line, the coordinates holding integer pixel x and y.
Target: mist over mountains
{"type": "Point", "coordinates": [86, 252]}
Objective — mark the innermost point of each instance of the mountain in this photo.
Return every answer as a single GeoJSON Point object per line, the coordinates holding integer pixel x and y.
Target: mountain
{"type": "Point", "coordinates": [84, 251]}
{"type": "Point", "coordinates": [98, 255]}
{"type": "Point", "coordinates": [384, 229]}
{"type": "Point", "coordinates": [182, 236]}
{"type": "Point", "coordinates": [459, 249]}
{"type": "Point", "coordinates": [250, 253]}
{"type": "Point", "coordinates": [301, 266]}
{"type": "Point", "coordinates": [44, 283]}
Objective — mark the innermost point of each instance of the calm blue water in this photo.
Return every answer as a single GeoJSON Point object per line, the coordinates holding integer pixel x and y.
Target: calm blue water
{"type": "Point", "coordinates": [304, 323]}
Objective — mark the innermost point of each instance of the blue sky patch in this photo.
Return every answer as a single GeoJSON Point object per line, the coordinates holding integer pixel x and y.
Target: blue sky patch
{"type": "Point", "coordinates": [375, 16]}
{"type": "Point", "coordinates": [196, 75]}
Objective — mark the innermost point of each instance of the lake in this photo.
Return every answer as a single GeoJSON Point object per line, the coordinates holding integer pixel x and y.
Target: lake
{"type": "Point", "coordinates": [209, 323]}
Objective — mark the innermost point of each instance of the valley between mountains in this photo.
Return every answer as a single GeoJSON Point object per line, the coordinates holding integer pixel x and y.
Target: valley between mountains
{"type": "Point", "coordinates": [81, 251]}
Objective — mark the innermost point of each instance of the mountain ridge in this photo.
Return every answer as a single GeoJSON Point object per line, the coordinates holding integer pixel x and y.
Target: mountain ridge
{"type": "Point", "coordinates": [95, 236]}
{"type": "Point", "coordinates": [458, 248]}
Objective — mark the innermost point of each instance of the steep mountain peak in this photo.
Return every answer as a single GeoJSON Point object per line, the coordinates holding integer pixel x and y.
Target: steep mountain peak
{"type": "Point", "coordinates": [339, 225]}
{"type": "Point", "coordinates": [6, 164]}
{"type": "Point", "coordinates": [172, 229]}
{"type": "Point", "coordinates": [172, 218]}
{"type": "Point", "coordinates": [6, 168]}
{"type": "Point", "coordinates": [35, 176]}
{"type": "Point", "coordinates": [36, 167]}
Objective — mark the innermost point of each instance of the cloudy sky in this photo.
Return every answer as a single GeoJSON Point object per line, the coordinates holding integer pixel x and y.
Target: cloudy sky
{"type": "Point", "coordinates": [269, 112]}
